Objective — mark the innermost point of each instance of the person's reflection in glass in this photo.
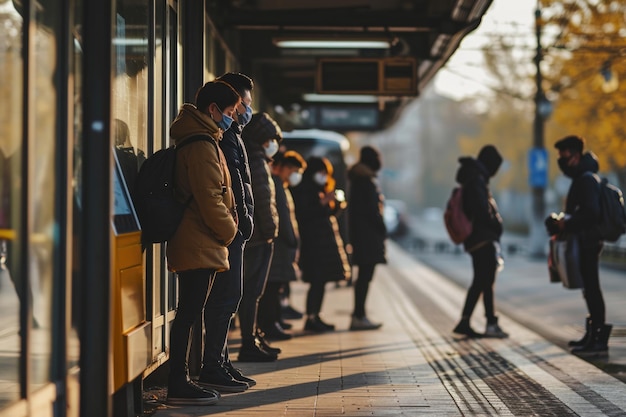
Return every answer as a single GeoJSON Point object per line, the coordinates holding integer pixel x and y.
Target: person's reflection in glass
{"type": "Point", "coordinates": [129, 161]}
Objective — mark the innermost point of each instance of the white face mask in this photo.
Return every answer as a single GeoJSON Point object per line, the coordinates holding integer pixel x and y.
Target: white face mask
{"type": "Point", "coordinates": [272, 148]}
{"type": "Point", "coordinates": [295, 178]}
{"type": "Point", "coordinates": [320, 178]}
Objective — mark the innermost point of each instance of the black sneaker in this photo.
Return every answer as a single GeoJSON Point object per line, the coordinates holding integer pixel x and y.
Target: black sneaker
{"type": "Point", "coordinates": [464, 328]}
{"type": "Point", "coordinates": [289, 312]}
{"type": "Point", "coordinates": [316, 324]}
{"type": "Point", "coordinates": [250, 352]}
{"type": "Point", "coordinates": [328, 326]}
{"type": "Point", "coordinates": [218, 378]}
{"type": "Point", "coordinates": [237, 375]}
{"type": "Point", "coordinates": [265, 345]}
{"type": "Point", "coordinates": [188, 393]}
{"type": "Point", "coordinates": [276, 332]}
{"type": "Point", "coordinates": [285, 325]}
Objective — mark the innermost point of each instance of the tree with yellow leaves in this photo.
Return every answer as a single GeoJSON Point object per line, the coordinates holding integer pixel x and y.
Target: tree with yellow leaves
{"type": "Point", "coordinates": [507, 122]}
{"type": "Point", "coordinates": [585, 63]}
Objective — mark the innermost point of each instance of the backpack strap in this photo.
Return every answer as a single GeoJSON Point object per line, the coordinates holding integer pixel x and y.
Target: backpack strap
{"type": "Point", "coordinates": [196, 138]}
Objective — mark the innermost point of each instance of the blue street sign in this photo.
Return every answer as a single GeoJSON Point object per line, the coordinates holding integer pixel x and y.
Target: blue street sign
{"type": "Point", "coordinates": [538, 167]}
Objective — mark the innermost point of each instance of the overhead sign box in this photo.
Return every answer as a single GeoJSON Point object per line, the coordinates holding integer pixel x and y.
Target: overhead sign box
{"type": "Point", "coordinates": [348, 117]}
{"type": "Point", "coordinates": [378, 76]}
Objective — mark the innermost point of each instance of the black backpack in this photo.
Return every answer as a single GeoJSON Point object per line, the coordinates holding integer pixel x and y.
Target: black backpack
{"type": "Point", "coordinates": [154, 196]}
{"type": "Point", "coordinates": [613, 216]}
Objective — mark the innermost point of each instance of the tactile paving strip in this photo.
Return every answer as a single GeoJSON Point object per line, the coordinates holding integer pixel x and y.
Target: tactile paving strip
{"type": "Point", "coordinates": [466, 366]}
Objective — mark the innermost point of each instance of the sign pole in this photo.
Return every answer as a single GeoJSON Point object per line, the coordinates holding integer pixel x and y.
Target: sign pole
{"type": "Point", "coordinates": [538, 156]}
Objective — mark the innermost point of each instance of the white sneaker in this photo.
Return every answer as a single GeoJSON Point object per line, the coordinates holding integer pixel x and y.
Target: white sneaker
{"type": "Point", "coordinates": [363, 324]}
{"type": "Point", "coordinates": [493, 330]}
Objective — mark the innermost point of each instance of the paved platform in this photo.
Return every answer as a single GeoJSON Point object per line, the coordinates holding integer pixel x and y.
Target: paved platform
{"type": "Point", "coordinates": [413, 365]}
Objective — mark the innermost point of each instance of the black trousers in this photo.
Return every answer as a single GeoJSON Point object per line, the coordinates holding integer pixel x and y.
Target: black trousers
{"type": "Point", "coordinates": [193, 291]}
{"type": "Point", "coordinates": [256, 266]}
{"type": "Point", "coordinates": [315, 297]}
{"type": "Point", "coordinates": [485, 267]}
{"type": "Point", "coordinates": [589, 264]}
{"type": "Point", "coordinates": [222, 305]}
{"type": "Point", "coordinates": [269, 305]}
{"type": "Point", "coordinates": [361, 287]}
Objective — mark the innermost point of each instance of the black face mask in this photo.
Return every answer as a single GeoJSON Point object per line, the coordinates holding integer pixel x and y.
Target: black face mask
{"type": "Point", "coordinates": [565, 168]}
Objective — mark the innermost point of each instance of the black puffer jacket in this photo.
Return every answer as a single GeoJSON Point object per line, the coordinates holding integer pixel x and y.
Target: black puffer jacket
{"type": "Point", "coordinates": [478, 204]}
{"type": "Point", "coordinates": [237, 159]}
{"type": "Point", "coordinates": [583, 201]}
{"type": "Point", "coordinates": [365, 216]}
{"type": "Point", "coordinates": [261, 129]}
{"type": "Point", "coordinates": [322, 255]}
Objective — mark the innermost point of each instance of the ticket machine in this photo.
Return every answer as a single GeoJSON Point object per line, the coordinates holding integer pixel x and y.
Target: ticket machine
{"type": "Point", "coordinates": [131, 332]}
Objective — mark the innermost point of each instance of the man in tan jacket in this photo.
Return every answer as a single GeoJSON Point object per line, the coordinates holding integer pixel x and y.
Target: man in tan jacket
{"type": "Point", "coordinates": [198, 249]}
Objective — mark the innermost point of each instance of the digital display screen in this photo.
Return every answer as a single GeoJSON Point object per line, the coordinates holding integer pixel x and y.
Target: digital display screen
{"type": "Point", "coordinates": [124, 217]}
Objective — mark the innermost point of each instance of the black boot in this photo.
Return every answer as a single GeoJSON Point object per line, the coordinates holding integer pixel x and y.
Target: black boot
{"type": "Point", "coordinates": [597, 345]}
{"type": "Point", "coordinates": [583, 341]}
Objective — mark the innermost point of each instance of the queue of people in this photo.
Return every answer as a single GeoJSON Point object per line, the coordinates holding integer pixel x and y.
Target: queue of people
{"type": "Point", "coordinates": [259, 219]}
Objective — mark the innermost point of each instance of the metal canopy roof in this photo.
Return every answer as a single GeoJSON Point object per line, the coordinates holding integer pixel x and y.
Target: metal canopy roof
{"type": "Point", "coordinates": [427, 30]}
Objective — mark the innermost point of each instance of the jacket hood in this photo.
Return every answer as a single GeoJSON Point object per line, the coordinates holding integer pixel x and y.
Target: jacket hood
{"type": "Point", "coordinates": [360, 170]}
{"type": "Point", "coordinates": [490, 158]}
{"type": "Point", "coordinates": [191, 121]}
{"type": "Point", "coordinates": [370, 157]}
{"type": "Point", "coordinates": [588, 162]}
{"type": "Point", "coordinates": [469, 169]}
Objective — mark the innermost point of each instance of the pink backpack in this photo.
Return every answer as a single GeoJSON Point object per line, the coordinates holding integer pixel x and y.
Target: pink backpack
{"type": "Point", "coordinates": [458, 225]}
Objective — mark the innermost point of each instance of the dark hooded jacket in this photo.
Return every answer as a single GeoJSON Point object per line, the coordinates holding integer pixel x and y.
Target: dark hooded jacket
{"type": "Point", "coordinates": [478, 203]}
{"type": "Point", "coordinates": [365, 216]}
{"type": "Point", "coordinates": [583, 201]}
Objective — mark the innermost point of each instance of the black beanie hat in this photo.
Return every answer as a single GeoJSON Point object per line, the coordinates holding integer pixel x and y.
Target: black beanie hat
{"type": "Point", "coordinates": [261, 128]}
{"type": "Point", "coordinates": [572, 142]}
{"type": "Point", "coordinates": [490, 158]}
{"type": "Point", "coordinates": [370, 157]}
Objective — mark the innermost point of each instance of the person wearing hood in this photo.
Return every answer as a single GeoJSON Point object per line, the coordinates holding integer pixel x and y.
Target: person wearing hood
{"type": "Point", "coordinates": [218, 371]}
{"type": "Point", "coordinates": [199, 247]}
{"type": "Point", "coordinates": [581, 217]}
{"type": "Point", "coordinates": [367, 230]}
{"type": "Point", "coordinates": [483, 243]}
{"type": "Point", "coordinates": [261, 137]}
{"type": "Point", "coordinates": [322, 255]}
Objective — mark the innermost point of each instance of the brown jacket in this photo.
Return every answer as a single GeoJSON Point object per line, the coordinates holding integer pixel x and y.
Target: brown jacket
{"type": "Point", "coordinates": [209, 224]}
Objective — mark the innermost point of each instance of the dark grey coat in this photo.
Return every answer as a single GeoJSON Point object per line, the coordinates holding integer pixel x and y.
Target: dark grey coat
{"type": "Point", "coordinates": [365, 216]}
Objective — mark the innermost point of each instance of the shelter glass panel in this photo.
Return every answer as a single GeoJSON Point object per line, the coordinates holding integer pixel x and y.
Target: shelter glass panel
{"type": "Point", "coordinates": [11, 91]}
{"type": "Point", "coordinates": [73, 351]}
{"type": "Point", "coordinates": [43, 188]}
